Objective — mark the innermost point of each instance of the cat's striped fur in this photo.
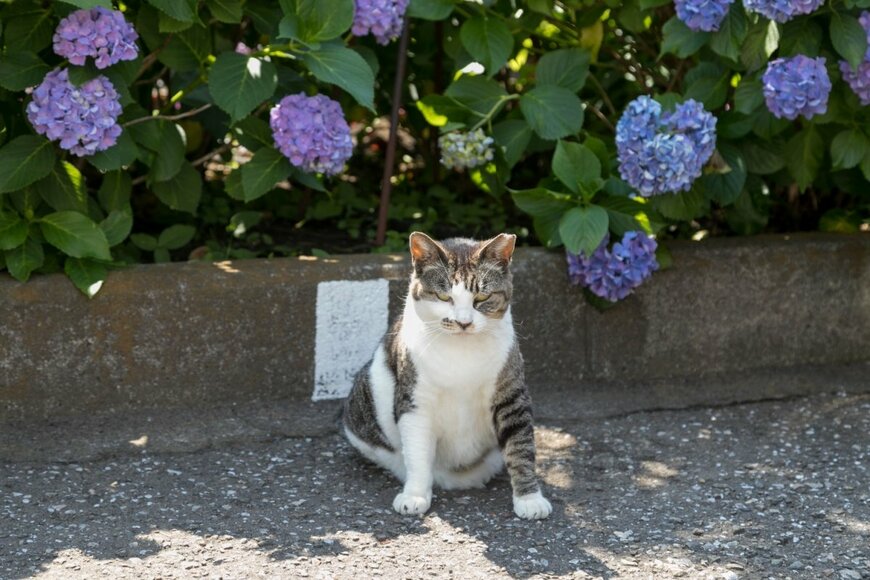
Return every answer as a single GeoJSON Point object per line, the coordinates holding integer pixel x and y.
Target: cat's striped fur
{"type": "Point", "coordinates": [444, 400]}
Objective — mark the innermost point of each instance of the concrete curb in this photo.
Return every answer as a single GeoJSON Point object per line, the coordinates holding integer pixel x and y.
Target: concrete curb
{"type": "Point", "coordinates": [195, 334]}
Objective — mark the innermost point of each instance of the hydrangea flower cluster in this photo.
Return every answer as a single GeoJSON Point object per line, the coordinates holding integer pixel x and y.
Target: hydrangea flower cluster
{"type": "Point", "coordinates": [613, 274]}
{"type": "Point", "coordinates": [312, 133]}
{"type": "Point", "coordinates": [859, 80]}
{"type": "Point", "coordinates": [782, 10]}
{"type": "Point", "coordinates": [380, 18]}
{"type": "Point", "coordinates": [706, 15]}
{"type": "Point", "coordinates": [84, 119]}
{"type": "Point", "coordinates": [796, 86]}
{"type": "Point", "coordinates": [465, 150]}
{"type": "Point", "coordinates": [664, 152]}
{"type": "Point", "coordinates": [99, 33]}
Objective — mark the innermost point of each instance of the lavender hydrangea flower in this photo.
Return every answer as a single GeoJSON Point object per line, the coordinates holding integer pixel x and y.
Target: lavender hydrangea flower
{"type": "Point", "coordinates": [312, 133]}
{"type": "Point", "coordinates": [613, 274]}
{"type": "Point", "coordinates": [465, 150]}
{"type": "Point", "coordinates": [706, 15]}
{"type": "Point", "coordinates": [664, 152]}
{"type": "Point", "coordinates": [83, 118]}
{"type": "Point", "coordinates": [381, 18]}
{"type": "Point", "coordinates": [99, 33]}
{"type": "Point", "coordinates": [796, 86]}
{"type": "Point", "coordinates": [859, 80]}
{"type": "Point", "coordinates": [782, 10]}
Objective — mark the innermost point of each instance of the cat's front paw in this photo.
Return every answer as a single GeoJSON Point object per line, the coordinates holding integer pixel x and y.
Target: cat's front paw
{"type": "Point", "coordinates": [406, 503]}
{"type": "Point", "coordinates": [532, 506]}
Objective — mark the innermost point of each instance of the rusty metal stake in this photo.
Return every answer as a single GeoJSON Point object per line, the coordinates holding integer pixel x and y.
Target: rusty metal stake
{"type": "Point", "coordinates": [390, 160]}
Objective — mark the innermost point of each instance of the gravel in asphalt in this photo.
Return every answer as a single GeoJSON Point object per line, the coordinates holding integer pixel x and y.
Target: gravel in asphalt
{"type": "Point", "coordinates": [763, 490]}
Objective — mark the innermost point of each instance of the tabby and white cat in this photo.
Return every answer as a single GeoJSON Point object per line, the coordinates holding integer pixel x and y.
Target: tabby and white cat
{"type": "Point", "coordinates": [444, 400]}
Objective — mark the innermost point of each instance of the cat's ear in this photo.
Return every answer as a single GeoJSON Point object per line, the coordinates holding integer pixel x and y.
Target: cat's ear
{"type": "Point", "coordinates": [498, 249]}
{"type": "Point", "coordinates": [424, 249]}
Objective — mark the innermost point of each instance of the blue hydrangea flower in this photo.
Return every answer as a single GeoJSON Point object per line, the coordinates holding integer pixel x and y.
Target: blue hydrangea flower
{"type": "Point", "coordinates": [381, 18]}
{"type": "Point", "coordinates": [796, 86]}
{"type": "Point", "coordinates": [312, 133]}
{"type": "Point", "coordinates": [859, 80]}
{"type": "Point", "coordinates": [613, 274]}
{"type": "Point", "coordinates": [465, 150]}
{"type": "Point", "coordinates": [83, 118]}
{"type": "Point", "coordinates": [664, 152]}
{"type": "Point", "coordinates": [99, 33]}
{"type": "Point", "coordinates": [782, 10]}
{"type": "Point", "coordinates": [706, 15]}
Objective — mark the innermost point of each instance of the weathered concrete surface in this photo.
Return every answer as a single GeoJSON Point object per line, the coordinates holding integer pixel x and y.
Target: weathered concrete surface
{"type": "Point", "coordinates": [764, 490]}
{"type": "Point", "coordinates": [194, 334]}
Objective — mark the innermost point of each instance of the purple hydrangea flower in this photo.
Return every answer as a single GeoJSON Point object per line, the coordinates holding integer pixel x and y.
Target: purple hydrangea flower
{"type": "Point", "coordinates": [859, 80]}
{"type": "Point", "coordinates": [796, 86]}
{"type": "Point", "coordinates": [99, 33]}
{"type": "Point", "coordinates": [782, 10]}
{"type": "Point", "coordinates": [613, 274]}
{"type": "Point", "coordinates": [83, 118]}
{"type": "Point", "coordinates": [664, 152]}
{"type": "Point", "coordinates": [465, 150]}
{"type": "Point", "coordinates": [706, 15]}
{"type": "Point", "coordinates": [312, 133]}
{"type": "Point", "coordinates": [381, 18]}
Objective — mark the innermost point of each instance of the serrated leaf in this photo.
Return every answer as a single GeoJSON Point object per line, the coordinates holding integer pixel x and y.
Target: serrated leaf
{"type": "Point", "coordinates": [478, 94]}
{"type": "Point", "coordinates": [228, 11]}
{"type": "Point", "coordinates": [239, 83]}
{"type": "Point", "coordinates": [183, 191]}
{"type": "Point", "coordinates": [680, 206]}
{"type": "Point", "coordinates": [583, 228]}
{"type": "Point", "coordinates": [513, 136]}
{"type": "Point", "coordinates": [176, 236]}
{"type": "Point", "coordinates": [552, 112]}
{"type": "Point", "coordinates": [574, 164]}
{"type": "Point", "coordinates": [117, 225]}
{"type": "Point", "coordinates": [29, 32]}
{"type": "Point", "coordinates": [186, 50]}
{"type": "Point", "coordinates": [253, 133]}
{"type": "Point", "coordinates": [75, 234]}
{"type": "Point", "coordinates": [547, 209]}
{"type": "Point", "coordinates": [322, 20]}
{"type": "Point", "coordinates": [804, 154]}
{"type": "Point", "coordinates": [184, 10]}
{"type": "Point", "coordinates": [848, 148]}
{"type": "Point", "coordinates": [24, 160]}
{"type": "Point", "coordinates": [87, 4]}
{"type": "Point", "coordinates": [13, 231]}
{"type": "Point", "coordinates": [680, 40]}
{"type": "Point", "coordinates": [262, 172]}
{"type": "Point", "coordinates": [567, 68]}
{"type": "Point", "coordinates": [443, 111]}
{"type": "Point", "coordinates": [64, 188]}
{"type": "Point", "coordinates": [24, 259]}
{"type": "Point", "coordinates": [725, 188]}
{"type": "Point", "coordinates": [732, 31]}
{"type": "Point", "coordinates": [748, 96]}
{"type": "Point", "coordinates": [761, 41]}
{"type": "Point", "coordinates": [114, 192]}
{"type": "Point", "coordinates": [849, 38]}
{"type": "Point", "coordinates": [345, 68]}
{"type": "Point", "coordinates": [144, 242]}
{"type": "Point", "coordinates": [122, 154]}
{"type": "Point", "coordinates": [488, 40]}
{"type": "Point", "coordinates": [763, 159]}
{"type": "Point", "coordinates": [20, 70]}
{"type": "Point", "coordinates": [430, 9]}
{"type": "Point", "coordinates": [708, 83]}
{"type": "Point", "coordinates": [86, 275]}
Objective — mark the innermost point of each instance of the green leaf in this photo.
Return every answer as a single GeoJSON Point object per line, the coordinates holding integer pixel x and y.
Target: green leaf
{"type": "Point", "coordinates": [164, 145]}
{"type": "Point", "coordinates": [176, 237]}
{"type": "Point", "coordinates": [680, 40]}
{"type": "Point", "coordinates": [547, 209]}
{"type": "Point", "coordinates": [87, 4]}
{"type": "Point", "coordinates": [849, 38]}
{"type": "Point", "coordinates": [117, 225]}
{"type": "Point", "coordinates": [114, 192]}
{"type": "Point", "coordinates": [567, 68]}
{"type": "Point", "coordinates": [680, 206]}
{"type": "Point", "coordinates": [574, 164]}
{"type": "Point", "coordinates": [64, 188]}
{"type": "Point", "coordinates": [122, 154]}
{"type": "Point", "coordinates": [804, 154]}
{"type": "Point", "coordinates": [480, 95]}
{"type": "Point", "coordinates": [239, 83]}
{"type": "Point", "coordinates": [552, 112]}
{"type": "Point", "coordinates": [848, 148]}
{"type": "Point", "coordinates": [626, 215]}
{"type": "Point", "coordinates": [345, 68]}
{"type": "Point", "coordinates": [708, 83]}
{"type": "Point", "coordinates": [748, 96]}
{"type": "Point", "coordinates": [88, 276]}
{"type": "Point", "coordinates": [187, 50]}
{"type": "Point", "coordinates": [840, 221]}
{"type": "Point", "coordinates": [24, 160]}
{"type": "Point", "coordinates": [442, 111]}
{"type": "Point", "coordinates": [761, 41]}
{"type": "Point", "coordinates": [263, 171]}
{"type": "Point", "coordinates": [229, 11]}
{"type": "Point", "coordinates": [75, 234]}
{"type": "Point", "coordinates": [583, 228]}
{"type": "Point", "coordinates": [865, 166]}
{"type": "Point", "coordinates": [29, 32]}
{"type": "Point", "coordinates": [144, 242]}
{"type": "Point", "coordinates": [321, 20]}
{"type": "Point", "coordinates": [800, 36]}
{"type": "Point", "coordinates": [430, 9]}
{"type": "Point", "coordinates": [167, 24]}
{"type": "Point", "coordinates": [253, 133]}
{"type": "Point", "coordinates": [727, 40]}
{"type": "Point", "coordinates": [161, 256]}
{"type": "Point", "coordinates": [762, 159]}
{"type": "Point", "coordinates": [725, 187]}
{"type": "Point", "coordinates": [24, 259]}
{"type": "Point", "coordinates": [183, 191]}
{"type": "Point", "coordinates": [184, 10]}
{"type": "Point", "coordinates": [488, 40]}
{"type": "Point", "coordinates": [13, 231]}
{"type": "Point", "coordinates": [19, 70]}
{"type": "Point", "coordinates": [78, 75]}
{"type": "Point", "coordinates": [513, 137]}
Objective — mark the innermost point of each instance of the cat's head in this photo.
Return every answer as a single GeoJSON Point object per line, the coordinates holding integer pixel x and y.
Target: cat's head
{"type": "Point", "coordinates": [461, 286]}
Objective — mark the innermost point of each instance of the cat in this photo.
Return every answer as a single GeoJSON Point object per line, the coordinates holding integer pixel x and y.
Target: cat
{"type": "Point", "coordinates": [444, 399]}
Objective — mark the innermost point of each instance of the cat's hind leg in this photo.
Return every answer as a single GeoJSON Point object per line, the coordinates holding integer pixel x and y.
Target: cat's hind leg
{"type": "Point", "coordinates": [475, 476]}
{"type": "Point", "coordinates": [389, 460]}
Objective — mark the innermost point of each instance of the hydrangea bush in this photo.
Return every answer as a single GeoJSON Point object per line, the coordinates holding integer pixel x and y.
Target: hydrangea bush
{"type": "Point", "coordinates": [130, 131]}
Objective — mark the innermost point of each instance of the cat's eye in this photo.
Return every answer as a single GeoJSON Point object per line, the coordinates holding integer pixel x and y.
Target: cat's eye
{"type": "Point", "coordinates": [443, 296]}
{"type": "Point", "coordinates": [481, 297]}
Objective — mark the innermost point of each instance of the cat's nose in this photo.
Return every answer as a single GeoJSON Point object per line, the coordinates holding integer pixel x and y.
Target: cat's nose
{"type": "Point", "coordinates": [463, 325]}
